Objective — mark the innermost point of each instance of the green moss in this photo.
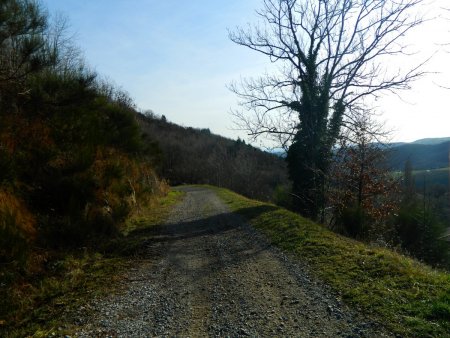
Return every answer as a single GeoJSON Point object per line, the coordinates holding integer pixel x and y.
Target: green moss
{"type": "Point", "coordinates": [408, 297]}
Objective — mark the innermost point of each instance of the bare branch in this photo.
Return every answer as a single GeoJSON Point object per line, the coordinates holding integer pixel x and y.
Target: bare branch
{"type": "Point", "coordinates": [339, 47]}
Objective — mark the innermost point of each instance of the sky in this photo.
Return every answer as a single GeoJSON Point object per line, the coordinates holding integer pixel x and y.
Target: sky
{"type": "Point", "coordinates": [174, 57]}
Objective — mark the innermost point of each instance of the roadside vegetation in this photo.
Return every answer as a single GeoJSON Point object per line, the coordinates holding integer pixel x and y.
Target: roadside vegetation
{"type": "Point", "coordinates": [329, 59]}
{"type": "Point", "coordinates": [39, 301]}
{"type": "Point", "coordinates": [74, 170]}
{"type": "Point", "coordinates": [408, 297]}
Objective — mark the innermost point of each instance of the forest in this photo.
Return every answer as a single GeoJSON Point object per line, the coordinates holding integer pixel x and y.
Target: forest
{"type": "Point", "coordinates": [196, 156]}
{"type": "Point", "coordinates": [76, 156]}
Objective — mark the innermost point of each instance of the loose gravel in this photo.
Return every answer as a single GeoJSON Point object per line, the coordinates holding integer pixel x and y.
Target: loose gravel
{"type": "Point", "coordinates": [207, 273]}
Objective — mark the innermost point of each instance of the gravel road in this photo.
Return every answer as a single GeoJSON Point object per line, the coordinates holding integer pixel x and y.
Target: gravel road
{"type": "Point", "coordinates": [210, 274]}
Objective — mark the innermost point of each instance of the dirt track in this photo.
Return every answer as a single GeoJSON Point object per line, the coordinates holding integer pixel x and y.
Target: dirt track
{"type": "Point", "coordinates": [209, 274]}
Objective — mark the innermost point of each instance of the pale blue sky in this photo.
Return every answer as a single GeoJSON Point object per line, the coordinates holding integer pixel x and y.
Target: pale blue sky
{"type": "Point", "coordinates": [174, 57]}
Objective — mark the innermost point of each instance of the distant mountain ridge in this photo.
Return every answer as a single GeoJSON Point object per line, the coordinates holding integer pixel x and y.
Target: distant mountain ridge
{"type": "Point", "coordinates": [426, 153]}
{"type": "Point", "coordinates": [431, 141]}
{"type": "Point", "coordinates": [429, 153]}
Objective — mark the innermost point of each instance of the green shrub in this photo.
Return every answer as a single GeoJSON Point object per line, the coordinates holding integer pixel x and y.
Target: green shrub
{"type": "Point", "coordinates": [6, 166]}
{"type": "Point", "coordinates": [17, 228]}
{"type": "Point", "coordinates": [282, 196]}
{"type": "Point", "coordinates": [121, 211]}
{"type": "Point", "coordinates": [120, 128]}
{"type": "Point", "coordinates": [101, 224]}
{"type": "Point", "coordinates": [13, 243]}
{"type": "Point", "coordinates": [351, 222]}
{"type": "Point", "coordinates": [112, 171]}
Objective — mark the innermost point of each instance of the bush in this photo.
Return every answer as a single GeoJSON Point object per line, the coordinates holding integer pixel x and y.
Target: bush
{"type": "Point", "coordinates": [120, 127]}
{"type": "Point", "coordinates": [17, 229]}
{"type": "Point", "coordinates": [352, 222]}
{"type": "Point", "coordinates": [101, 224]}
{"type": "Point", "coordinates": [282, 196]}
{"type": "Point", "coordinates": [6, 166]}
{"type": "Point", "coordinates": [69, 144]}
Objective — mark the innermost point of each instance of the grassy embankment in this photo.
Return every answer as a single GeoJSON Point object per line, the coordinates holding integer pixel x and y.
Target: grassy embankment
{"type": "Point", "coordinates": [72, 278]}
{"type": "Point", "coordinates": [409, 298]}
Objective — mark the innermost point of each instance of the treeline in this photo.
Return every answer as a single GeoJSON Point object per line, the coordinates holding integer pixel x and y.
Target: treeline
{"type": "Point", "coordinates": [72, 161]}
{"type": "Point", "coordinates": [196, 156]}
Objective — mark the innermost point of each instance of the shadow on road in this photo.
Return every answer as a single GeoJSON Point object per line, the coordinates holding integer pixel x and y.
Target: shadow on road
{"type": "Point", "coordinates": [151, 241]}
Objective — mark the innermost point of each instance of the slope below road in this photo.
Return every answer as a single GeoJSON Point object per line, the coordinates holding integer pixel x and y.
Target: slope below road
{"type": "Point", "coordinates": [209, 274]}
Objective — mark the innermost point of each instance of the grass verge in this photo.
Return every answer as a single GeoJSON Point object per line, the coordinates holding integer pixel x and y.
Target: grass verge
{"type": "Point", "coordinates": [409, 298]}
{"type": "Point", "coordinates": [34, 301]}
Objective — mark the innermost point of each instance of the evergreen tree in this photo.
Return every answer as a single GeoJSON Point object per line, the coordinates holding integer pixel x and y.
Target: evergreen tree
{"type": "Point", "coordinates": [22, 47]}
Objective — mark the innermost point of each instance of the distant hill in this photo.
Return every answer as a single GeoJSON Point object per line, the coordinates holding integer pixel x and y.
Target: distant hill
{"type": "Point", "coordinates": [197, 156]}
{"type": "Point", "coordinates": [432, 177]}
{"type": "Point", "coordinates": [431, 155]}
{"type": "Point", "coordinates": [430, 141]}
{"type": "Point", "coordinates": [427, 153]}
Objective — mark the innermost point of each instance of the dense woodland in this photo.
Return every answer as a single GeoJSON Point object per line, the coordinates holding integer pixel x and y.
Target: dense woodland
{"type": "Point", "coordinates": [367, 197]}
{"type": "Point", "coordinates": [197, 156]}
{"type": "Point", "coordinates": [407, 210]}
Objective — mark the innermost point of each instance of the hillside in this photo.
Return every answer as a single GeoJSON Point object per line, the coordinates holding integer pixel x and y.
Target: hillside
{"type": "Point", "coordinates": [429, 153]}
{"type": "Point", "coordinates": [422, 156]}
{"type": "Point", "coordinates": [116, 223]}
{"type": "Point", "coordinates": [219, 264]}
{"type": "Point", "coordinates": [196, 156]}
{"type": "Point", "coordinates": [432, 140]}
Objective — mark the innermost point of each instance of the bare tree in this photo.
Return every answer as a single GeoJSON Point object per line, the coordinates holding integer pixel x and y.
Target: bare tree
{"type": "Point", "coordinates": [60, 47]}
{"type": "Point", "coordinates": [331, 55]}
